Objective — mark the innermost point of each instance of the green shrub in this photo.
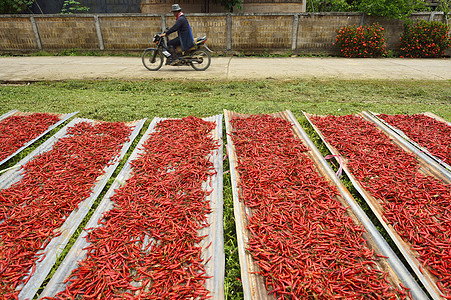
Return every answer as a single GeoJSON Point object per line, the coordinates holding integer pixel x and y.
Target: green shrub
{"type": "Point", "coordinates": [424, 39]}
{"type": "Point", "coordinates": [362, 41]}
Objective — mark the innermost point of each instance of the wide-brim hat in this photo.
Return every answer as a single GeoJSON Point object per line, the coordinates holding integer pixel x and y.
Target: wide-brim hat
{"type": "Point", "coordinates": [176, 7]}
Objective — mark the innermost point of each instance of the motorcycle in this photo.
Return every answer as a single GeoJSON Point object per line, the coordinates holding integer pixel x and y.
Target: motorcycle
{"type": "Point", "coordinates": [197, 57]}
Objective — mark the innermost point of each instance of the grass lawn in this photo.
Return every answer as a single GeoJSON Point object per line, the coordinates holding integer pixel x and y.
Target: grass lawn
{"type": "Point", "coordinates": [124, 101]}
{"type": "Point", "coordinates": [130, 100]}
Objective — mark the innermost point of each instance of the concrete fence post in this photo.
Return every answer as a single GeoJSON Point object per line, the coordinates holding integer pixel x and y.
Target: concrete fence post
{"type": "Point", "coordinates": [294, 37]}
{"type": "Point", "coordinates": [362, 19]}
{"type": "Point", "coordinates": [163, 23]}
{"type": "Point", "coordinates": [229, 32]}
{"type": "Point", "coordinates": [36, 33]}
{"type": "Point", "coordinates": [99, 32]}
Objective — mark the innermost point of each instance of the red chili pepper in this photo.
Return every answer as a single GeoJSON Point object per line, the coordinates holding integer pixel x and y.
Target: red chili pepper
{"type": "Point", "coordinates": [426, 131]}
{"type": "Point", "coordinates": [416, 205]}
{"type": "Point", "coordinates": [151, 234]}
{"type": "Point", "coordinates": [17, 130]}
{"type": "Point", "coordinates": [301, 236]}
{"type": "Point", "coordinates": [53, 185]}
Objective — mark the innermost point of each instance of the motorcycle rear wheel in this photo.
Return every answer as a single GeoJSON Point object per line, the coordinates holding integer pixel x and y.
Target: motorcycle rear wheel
{"type": "Point", "coordinates": [152, 59]}
{"type": "Point", "coordinates": [201, 60]}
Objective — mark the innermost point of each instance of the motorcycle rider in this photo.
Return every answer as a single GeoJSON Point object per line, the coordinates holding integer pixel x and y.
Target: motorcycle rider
{"type": "Point", "coordinates": [185, 36]}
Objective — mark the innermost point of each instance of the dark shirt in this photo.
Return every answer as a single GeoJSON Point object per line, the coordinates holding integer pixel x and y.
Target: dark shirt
{"type": "Point", "coordinates": [184, 31]}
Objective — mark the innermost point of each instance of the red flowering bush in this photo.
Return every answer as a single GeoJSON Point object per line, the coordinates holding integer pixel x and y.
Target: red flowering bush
{"type": "Point", "coordinates": [424, 39]}
{"type": "Point", "coordinates": [362, 41]}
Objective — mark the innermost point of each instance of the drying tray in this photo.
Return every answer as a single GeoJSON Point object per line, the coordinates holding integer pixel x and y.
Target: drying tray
{"type": "Point", "coordinates": [57, 244]}
{"type": "Point", "coordinates": [427, 279]}
{"type": "Point", "coordinates": [253, 284]}
{"type": "Point", "coordinates": [214, 268]}
{"type": "Point", "coordinates": [63, 118]}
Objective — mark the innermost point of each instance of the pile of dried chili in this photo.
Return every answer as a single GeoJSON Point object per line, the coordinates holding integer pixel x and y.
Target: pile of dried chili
{"type": "Point", "coordinates": [300, 234]}
{"type": "Point", "coordinates": [147, 246]}
{"type": "Point", "coordinates": [52, 186]}
{"type": "Point", "coordinates": [416, 205]}
{"type": "Point", "coordinates": [16, 131]}
{"type": "Point", "coordinates": [426, 131]}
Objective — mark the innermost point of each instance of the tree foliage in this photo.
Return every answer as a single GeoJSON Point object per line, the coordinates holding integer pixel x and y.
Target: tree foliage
{"type": "Point", "coordinates": [229, 4]}
{"type": "Point", "coordinates": [14, 6]}
{"type": "Point", "coordinates": [328, 5]}
{"type": "Point", "coordinates": [391, 9]}
{"type": "Point", "coordinates": [73, 6]}
{"type": "Point", "coordinates": [444, 5]}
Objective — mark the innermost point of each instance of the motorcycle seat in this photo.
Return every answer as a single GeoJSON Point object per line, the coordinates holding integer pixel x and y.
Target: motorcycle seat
{"type": "Point", "coordinates": [196, 43]}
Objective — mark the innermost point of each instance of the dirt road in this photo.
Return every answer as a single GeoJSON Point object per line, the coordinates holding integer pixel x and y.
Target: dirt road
{"type": "Point", "coordinates": [20, 69]}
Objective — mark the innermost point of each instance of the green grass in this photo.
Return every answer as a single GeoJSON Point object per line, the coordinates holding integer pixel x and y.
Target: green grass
{"type": "Point", "coordinates": [130, 100]}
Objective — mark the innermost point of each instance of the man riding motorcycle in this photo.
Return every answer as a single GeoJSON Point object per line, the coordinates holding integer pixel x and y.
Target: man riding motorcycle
{"type": "Point", "coordinates": [185, 36]}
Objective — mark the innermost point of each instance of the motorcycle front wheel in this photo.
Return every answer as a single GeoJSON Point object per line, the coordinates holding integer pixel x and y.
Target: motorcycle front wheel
{"type": "Point", "coordinates": [152, 59]}
{"type": "Point", "coordinates": [201, 60]}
